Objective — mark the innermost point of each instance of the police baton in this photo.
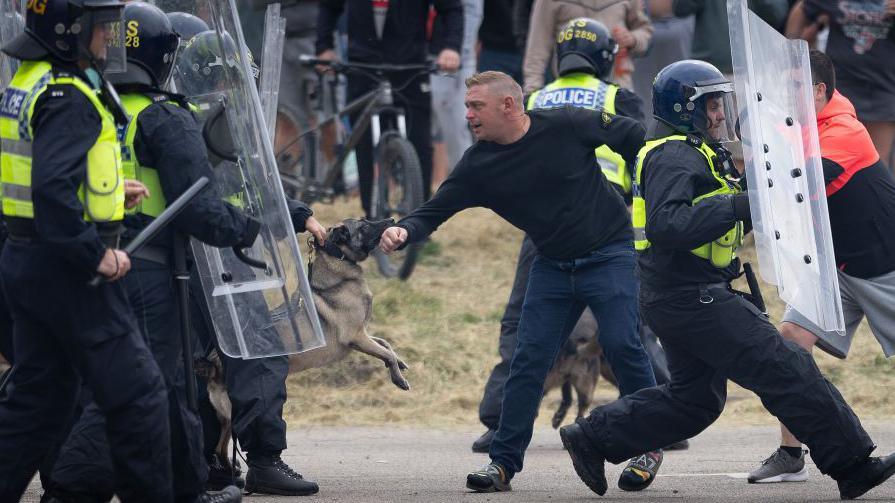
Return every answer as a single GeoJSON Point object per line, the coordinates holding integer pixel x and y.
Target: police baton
{"type": "Point", "coordinates": [159, 223]}
{"type": "Point", "coordinates": [754, 289]}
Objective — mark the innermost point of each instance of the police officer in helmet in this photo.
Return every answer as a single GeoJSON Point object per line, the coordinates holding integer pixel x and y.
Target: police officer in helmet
{"type": "Point", "coordinates": [689, 218]}
{"type": "Point", "coordinates": [585, 52]}
{"type": "Point", "coordinates": [162, 147]}
{"type": "Point", "coordinates": [63, 202]}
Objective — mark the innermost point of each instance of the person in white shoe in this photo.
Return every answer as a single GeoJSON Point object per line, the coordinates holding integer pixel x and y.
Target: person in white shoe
{"type": "Point", "coordinates": [861, 203]}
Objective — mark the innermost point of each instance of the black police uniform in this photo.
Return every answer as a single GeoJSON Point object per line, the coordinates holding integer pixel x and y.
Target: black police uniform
{"type": "Point", "coordinates": [256, 387]}
{"type": "Point", "coordinates": [711, 334]}
{"type": "Point", "coordinates": [169, 140]}
{"type": "Point", "coordinates": [65, 329]}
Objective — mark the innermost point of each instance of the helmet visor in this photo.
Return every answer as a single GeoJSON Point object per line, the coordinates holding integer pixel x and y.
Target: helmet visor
{"type": "Point", "coordinates": [718, 117]}
{"type": "Point", "coordinates": [109, 38]}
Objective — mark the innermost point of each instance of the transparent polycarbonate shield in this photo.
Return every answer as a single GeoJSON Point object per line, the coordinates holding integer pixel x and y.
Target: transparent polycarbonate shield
{"type": "Point", "coordinates": [259, 297]}
{"type": "Point", "coordinates": [271, 65]}
{"type": "Point", "coordinates": [783, 166]}
{"type": "Point", "coordinates": [11, 24]}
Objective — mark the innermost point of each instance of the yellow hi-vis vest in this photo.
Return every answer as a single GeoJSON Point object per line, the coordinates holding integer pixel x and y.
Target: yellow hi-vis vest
{"type": "Point", "coordinates": [586, 91]}
{"type": "Point", "coordinates": [719, 252]}
{"type": "Point", "coordinates": [101, 194]}
{"type": "Point", "coordinates": [153, 206]}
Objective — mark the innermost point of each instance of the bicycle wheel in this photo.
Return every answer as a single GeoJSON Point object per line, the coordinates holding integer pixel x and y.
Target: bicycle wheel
{"type": "Point", "coordinates": [397, 190]}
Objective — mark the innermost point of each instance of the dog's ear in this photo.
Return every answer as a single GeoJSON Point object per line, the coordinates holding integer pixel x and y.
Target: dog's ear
{"type": "Point", "coordinates": [340, 235]}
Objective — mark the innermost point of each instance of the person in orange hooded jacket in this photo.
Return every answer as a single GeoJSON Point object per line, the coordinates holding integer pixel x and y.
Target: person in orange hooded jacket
{"type": "Point", "coordinates": [861, 203]}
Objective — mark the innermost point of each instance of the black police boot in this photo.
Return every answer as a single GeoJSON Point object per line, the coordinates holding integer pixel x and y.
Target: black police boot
{"type": "Point", "coordinates": [230, 494]}
{"type": "Point", "coordinates": [270, 475]}
{"type": "Point", "coordinates": [483, 443]}
{"type": "Point", "coordinates": [220, 474]}
{"type": "Point", "coordinates": [588, 462]}
{"type": "Point", "coordinates": [867, 475]}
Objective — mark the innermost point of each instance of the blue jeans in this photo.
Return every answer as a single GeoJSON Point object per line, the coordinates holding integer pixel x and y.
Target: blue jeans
{"type": "Point", "coordinates": [558, 291]}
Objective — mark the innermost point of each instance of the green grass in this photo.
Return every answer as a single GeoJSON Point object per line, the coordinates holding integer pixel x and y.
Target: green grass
{"type": "Point", "coordinates": [445, 321]}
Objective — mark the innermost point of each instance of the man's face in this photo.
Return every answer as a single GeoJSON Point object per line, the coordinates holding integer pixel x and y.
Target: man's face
{"type": "Point", "coordinates": [484, 113]}
{"type": "Point", "coordinates": [714, 111]}
{"type": "Point", "coordinates": [102, 37]}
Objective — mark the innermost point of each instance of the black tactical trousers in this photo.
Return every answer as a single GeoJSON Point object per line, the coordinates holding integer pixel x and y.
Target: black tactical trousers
{"type": "Point", "coordinates": [256, 387]}
{"type": "Point", "coordinates": [707, 344]}
{"type": "Point", "coordinates": [64, 333]}
{"type": "Point", "coordinates": [84, 466]}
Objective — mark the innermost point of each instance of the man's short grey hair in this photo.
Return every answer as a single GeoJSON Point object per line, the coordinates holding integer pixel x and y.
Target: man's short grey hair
{"type": "Point", "coordinates": [498, 83]}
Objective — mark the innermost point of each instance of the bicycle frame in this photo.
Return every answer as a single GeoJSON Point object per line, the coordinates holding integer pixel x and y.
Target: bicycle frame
{"type": "Point", "coordinates": [373, 104]}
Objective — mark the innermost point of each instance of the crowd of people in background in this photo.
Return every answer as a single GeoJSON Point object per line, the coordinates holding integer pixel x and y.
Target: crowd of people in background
{"type": "Point", "coordinates": [517, 37]}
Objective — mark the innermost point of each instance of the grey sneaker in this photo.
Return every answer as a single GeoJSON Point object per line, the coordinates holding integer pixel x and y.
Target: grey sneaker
{"type": "Point", "coordinates": [488, 479]}
{"type": "Point", "coordinates": [780, 467]}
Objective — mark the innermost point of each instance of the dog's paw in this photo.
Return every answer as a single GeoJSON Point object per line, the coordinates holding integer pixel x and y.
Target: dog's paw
{"type": "Point", "coordinates": [401, 383]}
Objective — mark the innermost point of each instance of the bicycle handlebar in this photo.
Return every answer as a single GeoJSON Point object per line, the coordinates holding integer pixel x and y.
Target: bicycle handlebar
{"type": "Point", "coordinates": [339, 66]}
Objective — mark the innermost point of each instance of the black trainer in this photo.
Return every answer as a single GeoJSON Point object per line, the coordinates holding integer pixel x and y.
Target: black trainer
{"type": "Point", "coordinates": [588, 462]}
{"type": "Point", "coordinates": [221, 476]}
{"type": "Point", "coordinates": [869, 474]}
{"type": "Point", "coordinates": [230, 494]}
{"type": "Point", "coordinates": [273, 476]}
{"type": "Point", "coordinates": [483, 443]}
{"type": "Point", "coordinates": [489, 479]}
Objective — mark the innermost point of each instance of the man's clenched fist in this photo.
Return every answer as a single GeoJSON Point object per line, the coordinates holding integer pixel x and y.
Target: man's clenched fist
{"type": "Point", "coordinates": [392, 238]}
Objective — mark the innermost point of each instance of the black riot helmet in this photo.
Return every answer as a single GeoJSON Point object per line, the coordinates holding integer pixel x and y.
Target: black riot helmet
{"type": "Point", "coordinates": [202, 65]}
{"type": "Point", "coordinates": [585, 45]}
{"type": "Point", "coordinates": [64, 29]}
{"type": "Point", "coordinates": [151, 44]}
{"type": "Point", "coordinates": [187, 25]}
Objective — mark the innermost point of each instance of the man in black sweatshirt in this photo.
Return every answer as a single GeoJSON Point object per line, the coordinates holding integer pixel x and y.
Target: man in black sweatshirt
{"type": "Point", "coordinates": [538, 171]}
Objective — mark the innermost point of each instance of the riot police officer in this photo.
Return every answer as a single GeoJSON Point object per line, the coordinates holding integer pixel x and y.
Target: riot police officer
{"type": "Point", "coordinates": [688, 221]}
{"type": "Point", "coordinates": [63, 203]}
{"type": "Point", "coordinates": [162, 148]}
{"type": "Point", "coordinates": [256, 387]}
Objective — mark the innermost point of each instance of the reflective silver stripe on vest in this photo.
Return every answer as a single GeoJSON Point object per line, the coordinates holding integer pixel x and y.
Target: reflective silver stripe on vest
{"type": "Point", "coordinates": [15, 147]}
{"type": "Point", "coordinates": [639, 234]}
{"type": "Point", "coordinates": [16, 192]}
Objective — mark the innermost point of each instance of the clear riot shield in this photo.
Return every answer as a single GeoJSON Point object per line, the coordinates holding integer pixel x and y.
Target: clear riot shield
{"type": "Point", "coordinates": [11, 24]}
{"type": "Point", "coordinates": [783, 166]}
{"type": "Point", "coordinates": [259, 298]}
{"type": "Point", "coordinates": [271, 65]}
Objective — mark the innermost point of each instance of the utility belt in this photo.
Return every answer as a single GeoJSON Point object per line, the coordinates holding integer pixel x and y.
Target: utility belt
{"type": "Point", "coordinates": [22, 230]}
{"type": "Point", "coordinates": [754, 296]}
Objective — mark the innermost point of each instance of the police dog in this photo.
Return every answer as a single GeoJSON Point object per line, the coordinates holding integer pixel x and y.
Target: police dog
{"type": "Point", "coordinates": [344, 302]}
{"type": "Point", "coordinates": [578, 366]}
{"type": "Point", "coordinates": [345, 306]}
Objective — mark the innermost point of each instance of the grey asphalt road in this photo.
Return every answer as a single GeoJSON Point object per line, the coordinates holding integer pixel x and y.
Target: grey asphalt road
{"type": "Point", "coordinates": [414, 465]}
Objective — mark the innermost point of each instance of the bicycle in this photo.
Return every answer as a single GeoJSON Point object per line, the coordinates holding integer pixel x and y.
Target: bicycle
{"type": "Point", "coordinates": [397, 179]}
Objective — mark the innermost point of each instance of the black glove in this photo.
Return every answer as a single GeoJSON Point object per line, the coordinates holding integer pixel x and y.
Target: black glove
{"type": "Point", "coordinates": [299, 213]}
{"type": "Point", "coordinates": [253, 227]}
{"type": "Point", "coordinates": [741, 206]}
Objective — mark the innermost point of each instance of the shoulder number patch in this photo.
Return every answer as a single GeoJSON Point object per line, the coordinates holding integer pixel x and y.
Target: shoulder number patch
{"type": "Point", "coordinates": [11, 102]}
